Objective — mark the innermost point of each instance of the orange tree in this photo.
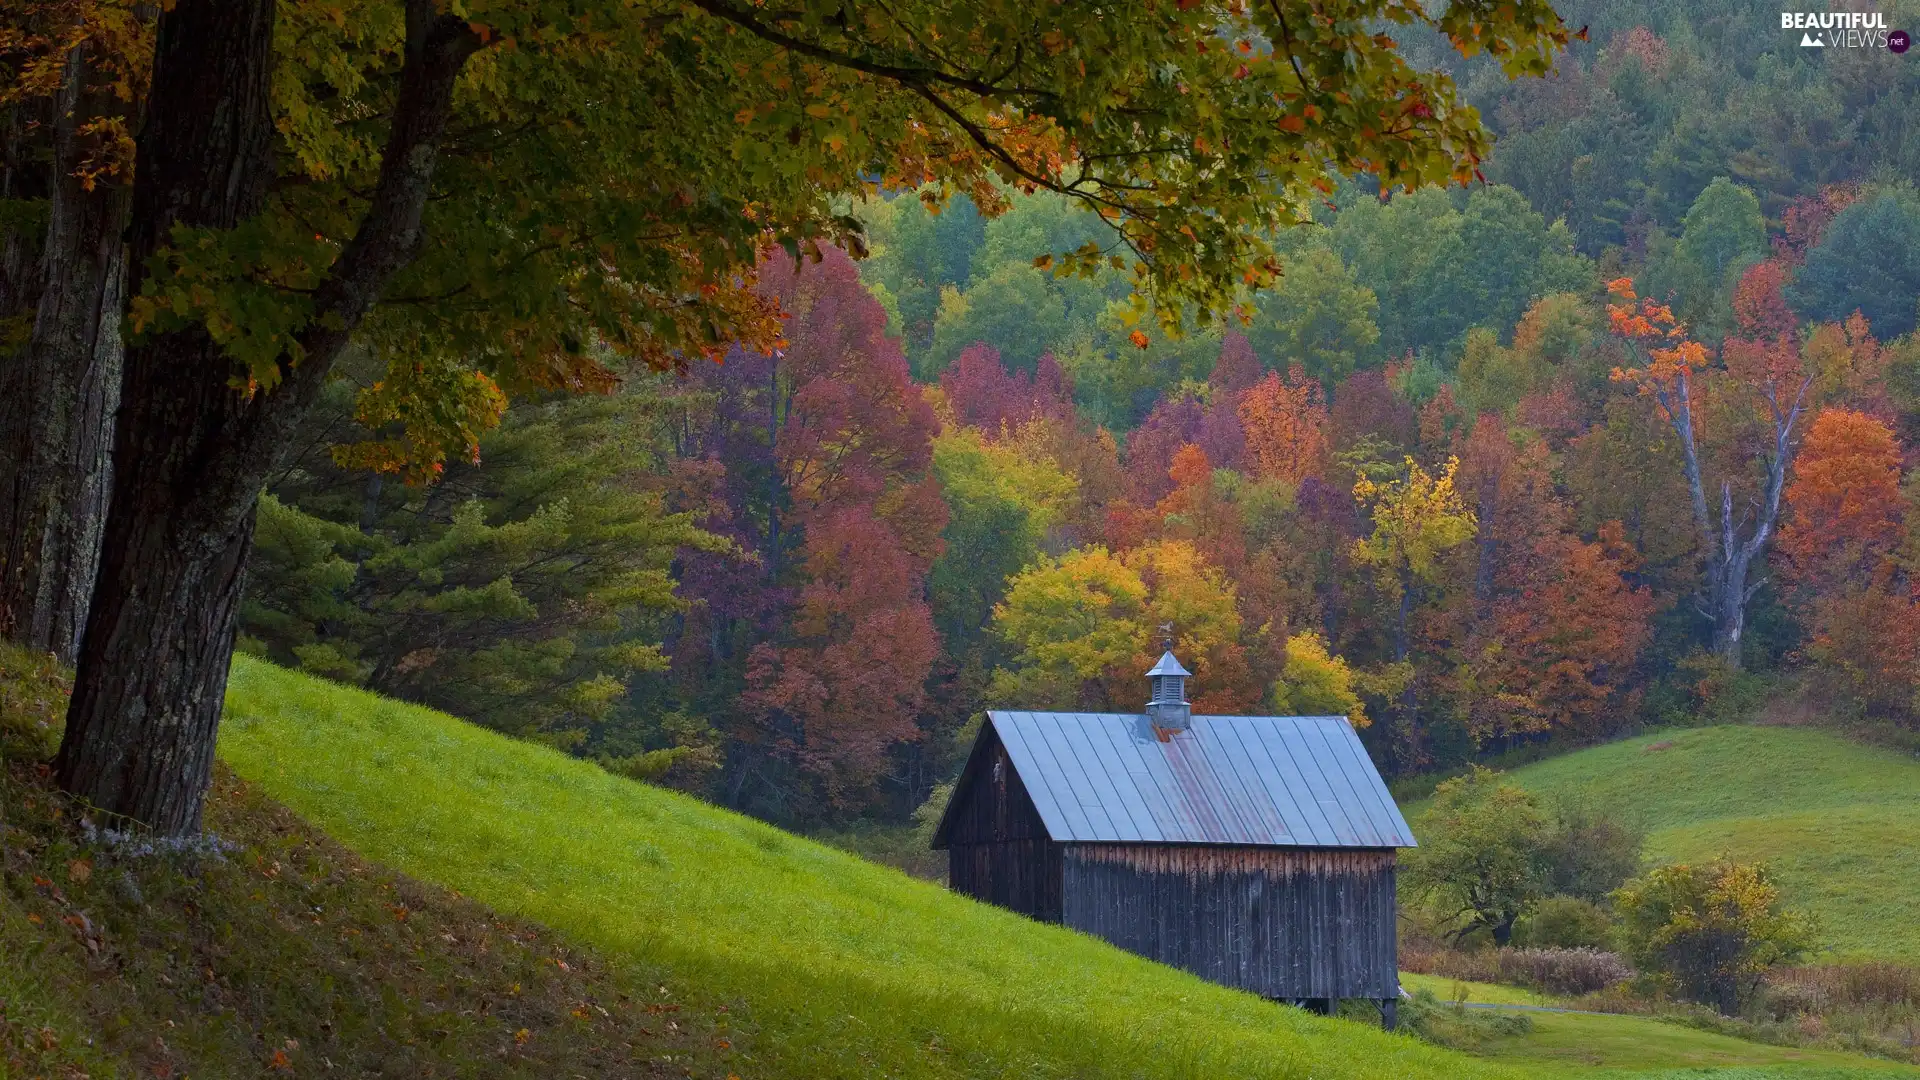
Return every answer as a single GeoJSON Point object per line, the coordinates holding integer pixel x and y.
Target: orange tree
{"type": "Point", "coordinates": [1844, 553]}
{"type": "Point", "coordinates": [1286, 426]}
{"type": "Point", "coordinates": [532, 192]}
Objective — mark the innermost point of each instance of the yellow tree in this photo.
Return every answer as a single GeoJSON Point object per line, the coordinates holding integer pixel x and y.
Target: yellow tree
{"type": "Point", "coordinates": [1315, 682]}
{"type": "Point", "coordinates": [1195, 600]}
{"type": "Point", "coordinates": [1083, 627]}
{"type": "Point", "coordinates": [1711, 930]}
{"type": "Point", "coordinates": [1068, 622]}
{"type": "Point", "coordinates": [1417, 519]}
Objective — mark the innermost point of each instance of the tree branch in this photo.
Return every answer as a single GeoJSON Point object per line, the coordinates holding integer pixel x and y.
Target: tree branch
{"type": "Point", "coordinates": [905, 76]}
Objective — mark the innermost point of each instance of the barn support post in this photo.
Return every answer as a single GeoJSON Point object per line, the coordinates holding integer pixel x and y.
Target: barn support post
{"type": "Point", "coordinates": [1389, 1014]}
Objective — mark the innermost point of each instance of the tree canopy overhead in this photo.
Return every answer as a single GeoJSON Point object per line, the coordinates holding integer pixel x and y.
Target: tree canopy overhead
{"type": "Point", "coordinates": [528, 193]}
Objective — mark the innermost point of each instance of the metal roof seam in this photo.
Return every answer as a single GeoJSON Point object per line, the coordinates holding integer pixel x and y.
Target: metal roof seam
{"type": "Point", "coordinates": [1298, 824]}
{"type": "Point", "coordinates": [1085, 728]}
{"type": "Point", "coordinates": [1258, 800]}
{"type": "Point", "coordinates": [1223, 732]}
{"type": "Point", "coordinates": [1370, 785]}
{"type": "Point", "coordinates": [1114, 769]}
{"type": "Point", "coordinates": [1333, 775]}
{"type": "Point", "coordinates": [1338, 749]}
{"type": "Point", "coordinates": [1045, 796]}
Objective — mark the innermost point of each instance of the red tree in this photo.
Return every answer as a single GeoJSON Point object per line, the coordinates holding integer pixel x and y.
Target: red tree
{"type": "Point", "coordinates": [1172, 424]}
{"type": "Point", "coordinates": [1221, 434]}
{"type": "Point", "coordinates": [1806, 218]}
{"type": "Point", "coordinates": [840, 681]}
{"type": "Point", "coordinates": [984, 394]}
{"type": "Point", "coordinates": [1553, 626]}
{"type": "Point", "coordinates": [1364, 404]}
{"type": "Point", "coordinates": [848, 685]}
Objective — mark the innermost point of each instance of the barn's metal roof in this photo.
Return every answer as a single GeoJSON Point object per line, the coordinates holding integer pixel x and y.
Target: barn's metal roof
{"type": "Point", "coordinates": [1294, 781]}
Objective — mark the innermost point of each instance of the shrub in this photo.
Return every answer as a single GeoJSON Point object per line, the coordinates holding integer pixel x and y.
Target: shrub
{"type": "Point", "coordinates": [1789, 999]}
{"type": "Point", "coordinates": [1710, 931]}
{"type": "Point", "coordinates": [1861, 982]}
{"type": "Point", "coordinates": [1565, 922]}
{"type": "Point", "coordinates": [1565, 972]}
{"type": "Point", "coordinates": [1568, 972]}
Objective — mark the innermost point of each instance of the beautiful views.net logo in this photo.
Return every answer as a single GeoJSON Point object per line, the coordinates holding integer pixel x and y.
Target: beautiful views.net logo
{"type": "Point", "coordinates": [1844, 29]}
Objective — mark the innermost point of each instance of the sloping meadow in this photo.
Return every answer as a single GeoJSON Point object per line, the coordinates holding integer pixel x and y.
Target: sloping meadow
{"type": "Point", "coordinates": [833, 966]}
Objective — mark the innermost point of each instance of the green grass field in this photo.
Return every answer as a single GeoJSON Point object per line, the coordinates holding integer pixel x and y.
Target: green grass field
{"type": "Point", "coordinates": [1583, 1044]}
{"type": "Point", "coordinates": [1837, 821]}
{"type": "Point", "coordinates": [843, 968]}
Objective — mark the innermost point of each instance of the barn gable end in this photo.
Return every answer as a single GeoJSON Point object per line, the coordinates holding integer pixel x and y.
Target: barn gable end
{"type": "Point", "coordinates": [998, 849]}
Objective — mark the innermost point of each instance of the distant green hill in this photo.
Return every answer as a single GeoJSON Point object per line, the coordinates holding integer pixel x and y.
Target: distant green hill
{"type": "Point", "coordinates": [1838, 821]}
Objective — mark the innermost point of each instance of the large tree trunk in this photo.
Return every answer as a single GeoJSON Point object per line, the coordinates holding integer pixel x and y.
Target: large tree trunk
{"type": "Point", "coordinates": [58, 393]}
{"type": "Point", "coordinates": [153, 664]}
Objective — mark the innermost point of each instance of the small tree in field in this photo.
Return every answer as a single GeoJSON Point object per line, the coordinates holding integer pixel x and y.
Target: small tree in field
{"type": "Point", "coordinates": [1480, 854]}
{"type": "Point", "coordinates": [1710, 930]}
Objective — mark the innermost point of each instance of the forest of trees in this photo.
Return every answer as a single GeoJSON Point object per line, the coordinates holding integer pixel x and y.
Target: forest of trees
{"type": "Point", "coordinates": [1485, 466]}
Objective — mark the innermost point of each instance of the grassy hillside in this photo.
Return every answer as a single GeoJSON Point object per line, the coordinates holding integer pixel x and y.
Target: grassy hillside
{"type": "Point", "coordinates": [277, 952]}
{"type": "Point", "coordinates": [1838, 821]}
{"type": "Point", "coordinates": [600, 928]}
{"type": "Point", "coordinates": [834, 966]}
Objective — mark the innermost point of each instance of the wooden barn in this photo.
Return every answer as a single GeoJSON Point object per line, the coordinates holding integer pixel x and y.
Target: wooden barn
{"type": "Point", "coordinates": [1254, 851]}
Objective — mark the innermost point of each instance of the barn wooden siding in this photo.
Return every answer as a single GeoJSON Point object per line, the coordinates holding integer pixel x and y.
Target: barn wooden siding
{"type": "Point", "coordinates": [997, 846]}
{"type": "Point", "coordinates": [1284, 923]}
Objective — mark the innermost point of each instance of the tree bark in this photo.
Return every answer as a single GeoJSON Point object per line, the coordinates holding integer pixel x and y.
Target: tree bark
{"type": "Point", "coordinates": [153, 665]}
{"type": "Point", "coordinates": [58, 393]}
{"type": "Point", "coordinates": [153, 662]}
{"type": "Point", "coordinates": [23, 182]}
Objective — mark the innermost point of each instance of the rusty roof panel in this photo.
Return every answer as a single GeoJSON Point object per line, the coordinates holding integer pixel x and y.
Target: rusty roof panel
{"type": "Point", "coordinates": [1287, 781]}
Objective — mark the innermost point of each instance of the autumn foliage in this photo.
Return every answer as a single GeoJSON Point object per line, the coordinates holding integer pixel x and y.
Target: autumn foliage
{"type": "Point", "coordinates": [1523, 548]}
{"type": "Point", "coordinates": [1285, 422]}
